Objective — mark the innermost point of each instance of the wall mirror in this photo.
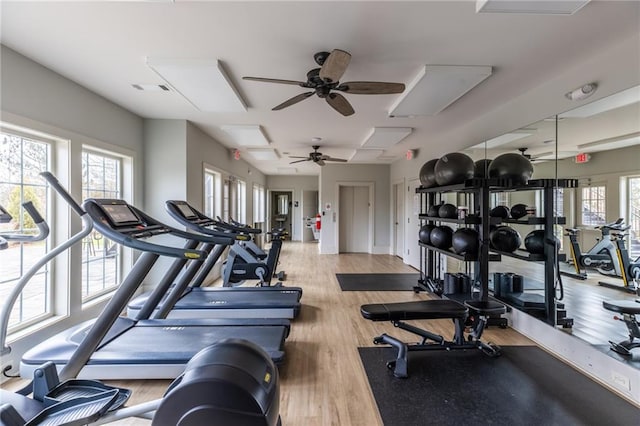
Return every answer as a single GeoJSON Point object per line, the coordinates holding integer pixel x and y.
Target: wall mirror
{"type": "Point", "coordinates": [283, 204]}
{"type": "Point", "coordinates": [592, 154]}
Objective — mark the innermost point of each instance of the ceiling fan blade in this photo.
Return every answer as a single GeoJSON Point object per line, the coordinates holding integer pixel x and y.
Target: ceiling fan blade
{"type": "Point", "coordinates": [320, 162]}
{"type": "Point", "coordinates": [341, 160]}
{"type": "Point", "coordinates": [297, 156]}
{"type": "Point", "coordinates": [300, 161]}
{"type": "Point", "coordinates": [340, 104]}
{"type": "Point", "coordinates": [371, 88]}
{"type": "Point", "coordinates": [294, 100]}
{"type": "Point", "coordinates": [335, 65]}
{"type": "Point", "coordinates": [275, 80]}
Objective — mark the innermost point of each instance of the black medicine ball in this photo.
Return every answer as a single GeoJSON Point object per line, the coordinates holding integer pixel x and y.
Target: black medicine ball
{"type": "Point", "coordinates": [427, 174]}
{"type": "Point", "coordinates": [448, 211]}
{"type": "Point", "coordinates": [425, 232]}
{"type": "Point", "coordinates": [433, 211]}
{"type": "Point", "coordinates": [454, 168]}
{"type": "Point", "coordinates": [465, 241]}
{"type": "Point", "coordinates": [511, 166]}
{"type": "Point", "coordinates": [518, 211]}
{"type": "Point", "coordinates": [500, 211]}
{"type": "Point", "coordinates": [534, 242]}
{"type": "Point", "coordinates": [481, 168]}
{"type": "Point", "coordinates": [505, 239]}
{"type": "Point", "coordinates": [441, 237]}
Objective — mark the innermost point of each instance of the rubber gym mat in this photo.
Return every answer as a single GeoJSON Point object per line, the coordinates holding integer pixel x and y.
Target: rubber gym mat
{"type": "Point", "coordinates": [377, 282]}
{"type": "Point", "coordinates": [524, 386]}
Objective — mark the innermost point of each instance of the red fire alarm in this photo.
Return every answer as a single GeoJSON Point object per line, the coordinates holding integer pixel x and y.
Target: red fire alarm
{"type": "Point", "coordinates": [583, 157]}
{"type": "Point", "coordinates": [236, 154]}
{"type": "Point", "coordinates": [410, 154]}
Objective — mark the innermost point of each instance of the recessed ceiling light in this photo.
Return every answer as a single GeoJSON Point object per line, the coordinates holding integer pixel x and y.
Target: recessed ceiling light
{"type": "Point", "coordinates": [203, 83]}
{"type": "Point", "coordinates": [436, 87]}
{"type": "Point", "coordinates": [316, 139]}
{"type": "Point", "coordinates": [386, 137]}
{"type": "Point", "coordinates": [246, 134]}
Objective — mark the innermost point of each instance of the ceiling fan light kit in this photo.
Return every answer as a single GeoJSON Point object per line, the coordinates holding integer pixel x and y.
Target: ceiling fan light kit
{"type": "Point", "coordinates": [317, 157]}
{"type": "Point", "coordinates": [324, 81]}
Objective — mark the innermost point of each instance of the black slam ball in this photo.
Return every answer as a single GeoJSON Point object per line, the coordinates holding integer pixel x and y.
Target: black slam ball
{"type": "Point", "coordinates": [427, 174]}
{"type": "Point", "coordinates": [448, 211]}
{"type": "Point", "coordinates": [505, 239]}
{"type": "Point", "coordinates": [518, 211]}
{"type": "Point", "coordinates": [454, 168]}
{"type": "Point", "coordinates": [424, 234]}
{"type": "Point", "coordinates": [441, 237]}
{"type": "Point", "coordinates": [481, 168]}
{"type": "Point", "coordinates": [534, 242]}
{"type": "Point", "coordinates": [500, 211]}
{"type": "Point", "coordinates": [465, 241]}
{"type": "Point", "coordinates": [434, 210]}
{"type": "Point", "coordinates": [511, 166]}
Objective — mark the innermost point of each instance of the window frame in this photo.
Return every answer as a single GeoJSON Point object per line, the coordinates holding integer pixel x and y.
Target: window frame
{"type": "Point", "coordinates": [603, 200]}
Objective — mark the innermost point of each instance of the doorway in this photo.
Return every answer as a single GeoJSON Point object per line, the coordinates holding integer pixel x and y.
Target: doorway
{"type": "Point", "coordinates": [310, 209]}
{"type": "Point", "coordinates": [398, 219]}
{"type": "Point", "coordinates": [281, 211]}
{"type": "Point", "coordinates": [354, 211]}
{"type": "Point", "coordinates": [412, 210]}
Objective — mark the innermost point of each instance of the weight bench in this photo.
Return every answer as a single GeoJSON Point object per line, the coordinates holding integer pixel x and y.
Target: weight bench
{"type": "Point", "coordinates": [397, 313]}
{"type": "Point", "coordinates": [629, 309]}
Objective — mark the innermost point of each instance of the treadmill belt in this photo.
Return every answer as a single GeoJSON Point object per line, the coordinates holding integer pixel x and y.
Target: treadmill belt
{"type": "Point", "coordinates": [524, 386]}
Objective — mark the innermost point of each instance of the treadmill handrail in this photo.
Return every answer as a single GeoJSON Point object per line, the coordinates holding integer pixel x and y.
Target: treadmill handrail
{"type": "Point", "coordinates": [87, 226]}
{"type": "Point", "coordinates": [155, 228]}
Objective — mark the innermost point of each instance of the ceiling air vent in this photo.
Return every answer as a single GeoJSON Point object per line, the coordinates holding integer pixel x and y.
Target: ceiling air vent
{"type": "Point", "coordinates": [151, 87]}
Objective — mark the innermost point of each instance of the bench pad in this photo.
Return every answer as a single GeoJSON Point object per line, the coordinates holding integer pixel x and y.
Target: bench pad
{"type": "Point", "coordinates": [425, 309]}
{"type": "Point", "coordinates": [631, 307]}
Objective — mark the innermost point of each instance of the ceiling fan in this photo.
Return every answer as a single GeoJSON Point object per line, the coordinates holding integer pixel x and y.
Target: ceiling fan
{"type": "Point", "coordinates": [317, 157]}
{"type": "Point", "coordinates": [532, 158]}
{"type": "Point", "coordinates": [325, 81]}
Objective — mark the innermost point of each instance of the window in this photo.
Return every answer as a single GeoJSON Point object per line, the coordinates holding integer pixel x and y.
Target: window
{"type": "Point", "coordinates": [258, 204]}
{"type": "Point", "coordinates": [593, 206]}
{"type": "Point", "coordinates": [499, 199]}
{"type": "Point", "coordinates": [633, 194]}
{"type": "Point", "coordinates": [101, 178]}
{"type": "Point", "coordinates": [558, 211]}
{"type": "Point", "coordinates": [21, 160]}
{"type": "Point", "coordinates": [212, 193]}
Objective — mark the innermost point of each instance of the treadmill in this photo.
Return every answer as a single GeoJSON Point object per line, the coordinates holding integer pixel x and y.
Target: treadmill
{"type": "Point", "coordinates": [115, 347]}
{"type": "Point", "coordinates": [188, 299]}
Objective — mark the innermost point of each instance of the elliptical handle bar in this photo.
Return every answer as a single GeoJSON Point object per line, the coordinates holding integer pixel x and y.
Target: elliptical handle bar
{"type": "Point", "coordinates": [43, 228]}
{"type": "Point", "coordinates": [53, 181]}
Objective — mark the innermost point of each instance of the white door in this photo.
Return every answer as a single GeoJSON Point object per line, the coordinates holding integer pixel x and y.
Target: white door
{"type": "Point", "coordinates": [412, 210]}
{"type": "Point", "coordinates": [354, 219]}
{"type": "Point", "coordinates": [398, 219]}
{"type": "Point", "coordinates": [309, 210]}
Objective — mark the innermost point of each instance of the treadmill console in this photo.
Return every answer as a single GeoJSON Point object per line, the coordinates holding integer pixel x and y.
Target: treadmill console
{"type": "Point", "coordinates": [118, 213]}
{"type": "Point", "coordinates": [186, 211]}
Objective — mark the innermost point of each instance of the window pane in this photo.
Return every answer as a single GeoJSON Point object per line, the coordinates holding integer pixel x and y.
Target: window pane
{"type": "Point", "coordinates": [21, 160]}
{"type": "Point", "coordinates": [100, 256]}
{"type": "Point", "coordinates": [634, 217]}
{"type": "Point", "coordinates": [593, 205]}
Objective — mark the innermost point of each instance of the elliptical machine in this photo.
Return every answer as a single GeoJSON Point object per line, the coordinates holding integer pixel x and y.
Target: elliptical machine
{"type": "Point", "coordinates": [601, 257]}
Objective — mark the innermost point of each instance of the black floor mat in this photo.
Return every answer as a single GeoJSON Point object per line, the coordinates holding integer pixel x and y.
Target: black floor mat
{"type": "Point", "coordinates": [377, 282]}
{"type": "Point", "coordinates": [524, 386]}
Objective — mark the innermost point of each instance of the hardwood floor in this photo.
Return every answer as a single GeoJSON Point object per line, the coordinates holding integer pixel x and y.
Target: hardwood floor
{"type": "Point", "coordinates": [323, 381]}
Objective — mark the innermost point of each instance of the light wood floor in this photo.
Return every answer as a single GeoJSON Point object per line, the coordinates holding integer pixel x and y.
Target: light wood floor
{"type": "Point", "coordinates": [323, 381]}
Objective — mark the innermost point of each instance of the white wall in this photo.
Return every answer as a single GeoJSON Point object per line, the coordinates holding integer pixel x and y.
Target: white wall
{"type": "Point", "coordinates": [36, 98]}
{"type": "Point", "coordinates": [297, 184]}
{"type": "Point", "coordinates": [333, 174]}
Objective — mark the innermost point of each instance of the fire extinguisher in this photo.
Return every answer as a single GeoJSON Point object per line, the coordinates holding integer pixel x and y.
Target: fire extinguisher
{"type": "Point", "coordinates": [318, 224]}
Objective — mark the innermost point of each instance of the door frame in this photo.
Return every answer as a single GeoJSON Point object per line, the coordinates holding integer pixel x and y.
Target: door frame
{"type": "Point", "coordinates": [268, 212]}
{"type": "Point", "coordinates": [336, 211]}
{"type": "Point", "coordinates": [399, 230]}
